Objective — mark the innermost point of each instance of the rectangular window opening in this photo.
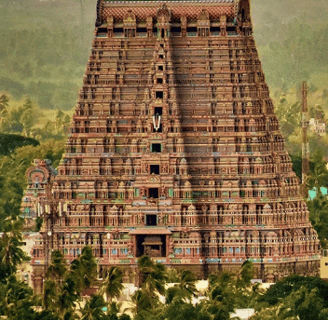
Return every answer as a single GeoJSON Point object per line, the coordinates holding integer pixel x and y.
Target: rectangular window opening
{"type": "Point", "coordinates": [215, 29]}
{"type": "Point", "coordinates": [159, 80]}
{"type": "Point", "coordinates": [153, 193]}
{"type": "Point", "coordinates": [160, 68]}
{"type": "Point", "coordinates": [176, 29]}
{"type": "Point", "coordinates": [154, 169]}
{"type": "Point", "coordinates": [151, 220]}
{"type": "Point", "coordinates": [159, 94]}
{"type": "Point", "coordinates": [158, 111]}
{"type": "Point", "coordinates": [156, 147]}
{"type": "Point", "coordinates": [192, 29]}
{"type": "Point", "coordinates": [142, 30]}
{"type": "Point", "coordinates": [118, 30]}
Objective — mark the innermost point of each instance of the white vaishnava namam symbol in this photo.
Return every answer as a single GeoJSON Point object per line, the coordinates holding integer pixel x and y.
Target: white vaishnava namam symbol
{"type": "Point", "coordinates": [157, 121]}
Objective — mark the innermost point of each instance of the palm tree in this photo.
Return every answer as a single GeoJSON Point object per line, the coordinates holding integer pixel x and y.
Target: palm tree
{"type": "Point", "coordinates": [152, 276]}
{"type": "Point", "coordinates": [317, 178]}
{"type": "Point", "coordinates": [184, 289]}
{"type": "Point", "coordinates": [246, 274]}
{"type": "Point", "coordinates": [67, 299]}
{"type": "Point", "coordinates": [57, 268]}
{"type": "Point", "coordinates": [143, 305]}
{"type": "Point", "coordinates": [112, 284]}
{"type": "Point", "coordinates": [54, 280]}
{"type": "Point", "coordinates": [187, 283]}
{"type": "Point", "coordinates": [88, 266]}
{"type": "Point", "coordinates": [93, 309]}
{"type": "Point", "coordinates": [174, 294]}
{"type": "Point", "coordinates": [16, 300]}
{"type": "Point", "coordinates": [75, 275]}
{"type": "Point", "coordinates": [11, 255]}
{"type": "Point", "coordinates": [50, 296]}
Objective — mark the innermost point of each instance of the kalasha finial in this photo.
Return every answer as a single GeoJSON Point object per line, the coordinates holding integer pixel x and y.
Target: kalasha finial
{"type": "Point", "coordinates": [164, 13]}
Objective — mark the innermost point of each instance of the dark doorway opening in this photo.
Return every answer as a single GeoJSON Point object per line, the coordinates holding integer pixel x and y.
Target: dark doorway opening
{"type": "Point", "coordinates": [156, 147]}
{"type": "Point", "coordinates": [151, 245]}
{"type": "Point", "coordinates": [154, 169]}
{"type": "Point", "coordinates": [153, 193]}
{"type": "Point", "coordinates": [151, 219]}
{"type": "Point", "coordinates": [159, 80]}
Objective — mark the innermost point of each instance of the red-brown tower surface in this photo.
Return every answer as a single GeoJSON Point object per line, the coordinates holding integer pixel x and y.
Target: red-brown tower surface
{"type": "Point", "coordinates": [175, 150]}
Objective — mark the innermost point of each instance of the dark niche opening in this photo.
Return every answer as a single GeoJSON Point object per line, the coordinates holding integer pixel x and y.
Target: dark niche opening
{"type": "Point", "coordinates": [159, 94]}
{"type": "Point", "coordinates": [151, 220]}
{"type": "Point", "coordinates": [153, 193]}
{"type": "Point", "coordinates": [158, 111]}
{"type": "Point", "coordinates": [156, 147]}
{"type": "Point", "coordinates": [154, 169]}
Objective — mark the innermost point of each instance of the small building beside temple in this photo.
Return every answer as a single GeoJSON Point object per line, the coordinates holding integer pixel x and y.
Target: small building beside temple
{"type": "Point", "coordinates": [317, 126]}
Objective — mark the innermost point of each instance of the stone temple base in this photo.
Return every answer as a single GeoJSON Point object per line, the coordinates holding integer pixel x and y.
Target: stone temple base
{"type": "Point", "coordinates": [267, 272]}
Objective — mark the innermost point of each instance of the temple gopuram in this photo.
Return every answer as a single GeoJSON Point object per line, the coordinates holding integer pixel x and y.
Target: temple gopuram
{"type": "Point", "coordinates": [36, 193]}
{"type": "Point", "coordinates": [175, 151]}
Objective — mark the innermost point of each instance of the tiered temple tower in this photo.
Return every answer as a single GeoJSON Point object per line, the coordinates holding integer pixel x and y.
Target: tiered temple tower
{"type": "Point", "coordinates": [175, 150]}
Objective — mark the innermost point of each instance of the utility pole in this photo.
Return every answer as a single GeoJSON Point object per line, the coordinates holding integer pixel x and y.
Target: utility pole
{"type": "Point", "coordinates": [50, 211]}
{"type": "Point", "coordinates": [305, 143]}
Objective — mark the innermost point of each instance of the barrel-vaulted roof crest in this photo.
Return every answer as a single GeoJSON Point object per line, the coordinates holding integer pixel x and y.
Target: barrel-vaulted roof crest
{"type": "Point", "coordinates": [119, 7]}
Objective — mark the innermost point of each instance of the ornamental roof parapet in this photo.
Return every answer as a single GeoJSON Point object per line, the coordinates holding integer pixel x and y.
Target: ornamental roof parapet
{"type": "Point", "coordinates": [179, 8]}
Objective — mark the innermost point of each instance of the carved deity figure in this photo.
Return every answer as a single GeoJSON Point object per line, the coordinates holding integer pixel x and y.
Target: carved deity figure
{"type": "Point", "coordinates": [165, 168]}
{"type": "Point", "coordinates": [163, 191]}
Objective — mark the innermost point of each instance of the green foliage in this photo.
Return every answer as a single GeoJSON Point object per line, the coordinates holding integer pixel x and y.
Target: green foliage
{"type": "Point", "coordinates": [297, 164]}
{"type": "Point", "coordinates": [11, 255]}
{"type": "Point", "coordinates": [29, 121]}
{"type": "Point", "coordinates": [182, 311]}
{"type": "Point", "coordinates": [87, 267]}
{"type": "Point", "coordinates": [38, 222]}
{"type": "Point", "coordinates": [12, 174]}
{"type": "Point", "coordinates": [45, 58]}
{"type": "Point", "coordinates": [152, 276]}
{"type": "Point", "coordinates": [318, 208]}
{"type": "Point", "coordinates": [231, 291]}
{"type": "Point", "coordinates": [64, 285]}
{"type": "Point", "coordinates": [20, 120]}
{"type": "Point", "coordinates": [16, 300]}
{"type": "Point", "coordinates": [57, 267]}
{"type": "Point", "coordinates": [9, 142]}
{"type": "Point", "coordinates": [317, 112]}
{"type": "Point", "coordinates": [112, 284]}
{"type": "Point", "coordinates": [93, 309]}
{"type": "Point", "coordinates": [184, 289]}
{"type": "Point", "coordinates": [295, 297]}
{"type": "Point", "coordinates": [289, 116]}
